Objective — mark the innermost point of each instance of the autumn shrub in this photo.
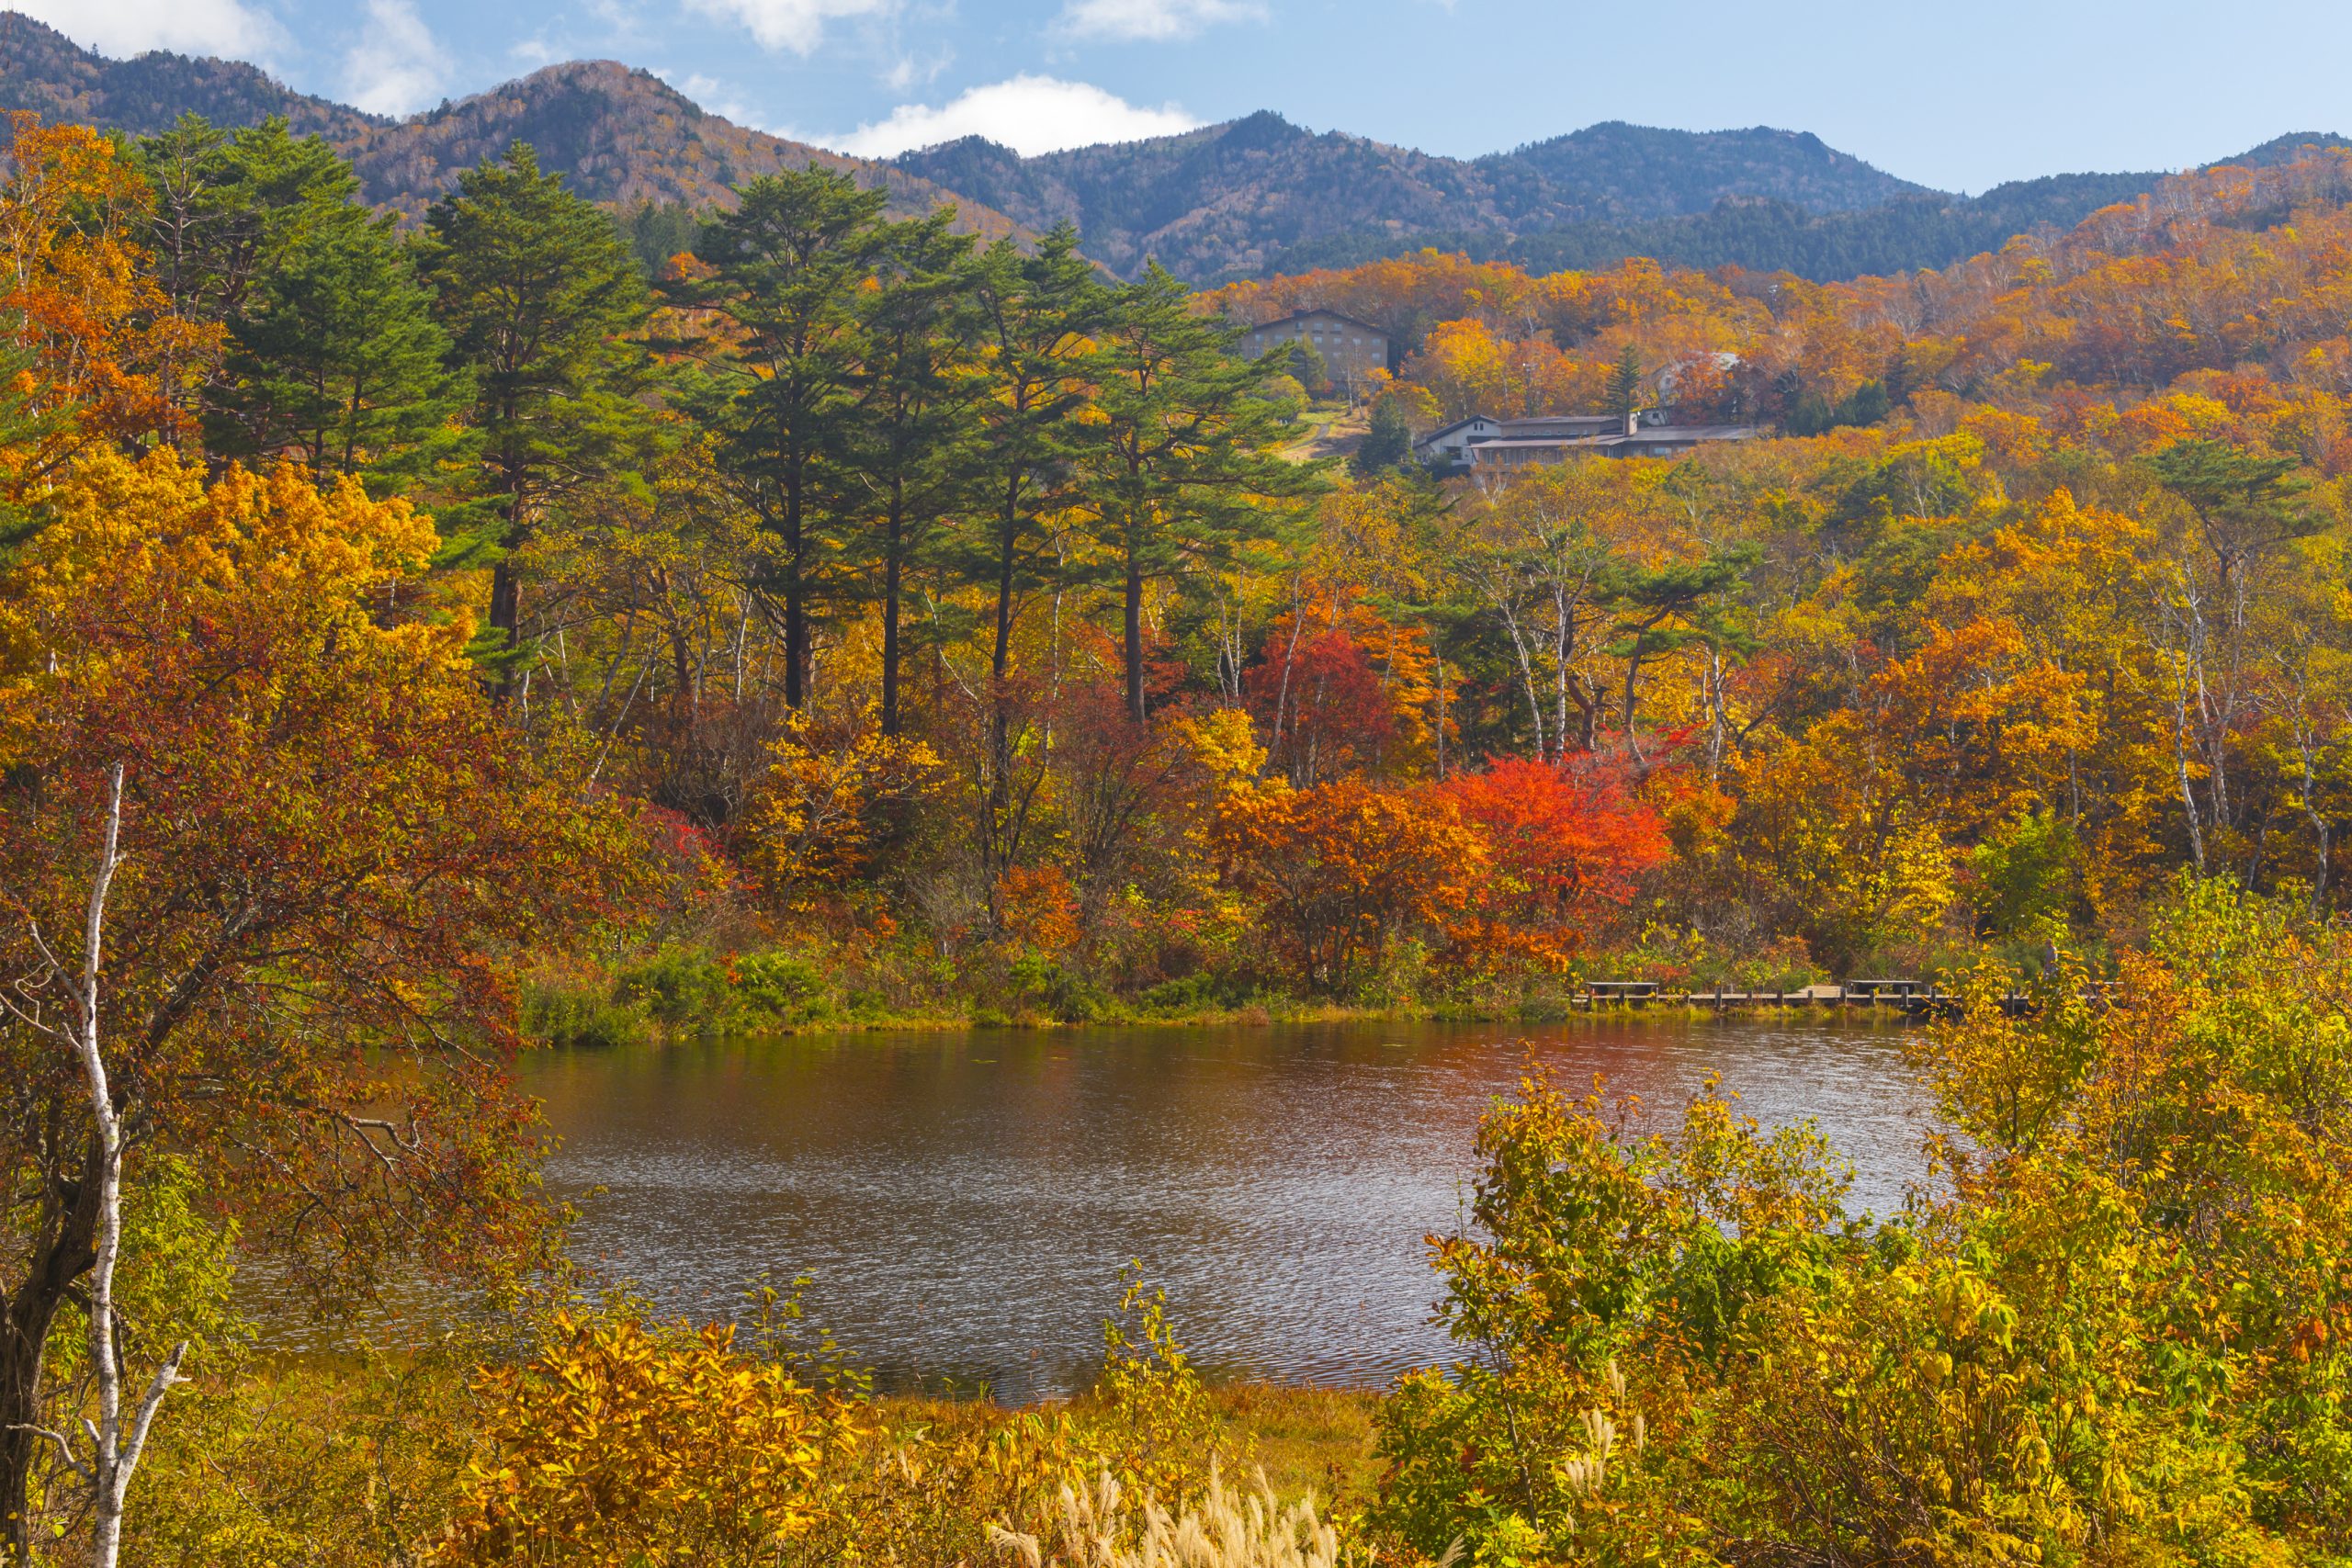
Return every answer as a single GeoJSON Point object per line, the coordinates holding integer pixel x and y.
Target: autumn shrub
{"type": "Point", "coordinates": [1199, 993]}
{"type": "Point", "coordinates": [1566, 843]}
{"type": "Point", "coordinates": [621, 1443]}
{"type": "Point", "coordinates": [1601, 1262]}
{"type": "Point", "coordinates": [678, 987]}
{"type": "Point", "coordinates": [1155, 1427]}
{"type": "Point", "coordinates": [827, 804]}
{"type": "Point", "coordinates": [571, 1009]}
{"type": "Point", "coordinates": [679, 990]}
{"type": "Point", "coordinates": [785, 986]}
{"type": "Point", "coordinates": [2113, 1332]}
{"type": "Point", "coordinates": [344, 1461]}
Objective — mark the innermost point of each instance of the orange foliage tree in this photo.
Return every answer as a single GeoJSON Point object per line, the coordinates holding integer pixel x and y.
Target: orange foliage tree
{"type": "Point", "coordinates": [1567, 845]}
{"type": "Point", "coordinates": [330, 855]}
{"type": "Point", "coordinates": [106, 351]}
{"type": "Point", "coordinates": [1340, 869]}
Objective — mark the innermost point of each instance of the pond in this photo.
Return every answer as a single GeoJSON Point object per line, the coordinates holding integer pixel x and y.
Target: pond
{"type": "Point", "coordinates": [966, 1202]}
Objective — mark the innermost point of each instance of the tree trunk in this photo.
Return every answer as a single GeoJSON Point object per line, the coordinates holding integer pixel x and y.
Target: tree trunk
{"type": "Point", "coordinates": [68, 1250]}
{"type": "Point", "coordinates": [1134, 618]}
{"type": "Point", "coordinates": [506, 617]}
{"type": "Point", "coordinates": [796, 598]}
{"type": "Point", "coordinates": [892, 569]}
{"type": "Point", "coordinates": [117, 1439]}
{"type": "Point", "coordinates": [999, 723]}
{"type": "Point", "coordinates": [86, 1238]}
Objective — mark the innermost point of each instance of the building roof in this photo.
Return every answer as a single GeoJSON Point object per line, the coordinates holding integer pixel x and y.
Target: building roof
{"type": "Point", "coordinates": [1560, 422]}
{"type": "Point", "coordinates": [1516, 443]}
{"type": "Point", "coordinates": [1649, 436]}
{"type": "Point", "coordinates": [1687, 434]}
{"type": "Point", "coordinates": [1319, 311]}
{"type": "Point", "coordinates": [1458, 424]}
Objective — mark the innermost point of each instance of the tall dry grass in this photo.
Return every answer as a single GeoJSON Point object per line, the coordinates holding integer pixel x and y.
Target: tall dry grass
{"type": "Point", "coordinates": [1095, 1528]}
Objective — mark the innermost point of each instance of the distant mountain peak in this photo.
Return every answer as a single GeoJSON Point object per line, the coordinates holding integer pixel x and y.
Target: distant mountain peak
{"type": "Point", "coordinates": [619, 133]}
{"type": "Point", "coordinates": [1264, 129]}
{"type": "Point", "coordinates": [2285, 149]}
{"type": "Point", "coordinates": [1234, 198]}
{"type": "Point", "coordinates": [44, 71]}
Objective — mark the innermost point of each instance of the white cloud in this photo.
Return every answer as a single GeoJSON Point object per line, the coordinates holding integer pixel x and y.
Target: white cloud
{"type": "Point", "coordinates": [122, 28]}
{"type": "Point", "coordinates": [1156, 21]}
{"type": "Point", "coordinates": [1028, 114]}
{"type": "Point", "coordinates": [397, 66]}
{"type": "Point", "coordinates": [916, 70]}
{"type": "Point", "coordinates": [796, 25]}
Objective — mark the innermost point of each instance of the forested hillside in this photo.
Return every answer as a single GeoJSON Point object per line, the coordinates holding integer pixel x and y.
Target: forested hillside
{"type": "Point", "coordinates": [1909, 233]}
{"type": "Point", "coordinates": [1260, 193]}
{"type": "Point", "coordinates": [1624, 172]}
{"type": "Point", "coordinates": [622, 136]}
{"type": "Point", "coordinates": [44, 71]}
{"type": "Point", "coordinates": [1233, 198]}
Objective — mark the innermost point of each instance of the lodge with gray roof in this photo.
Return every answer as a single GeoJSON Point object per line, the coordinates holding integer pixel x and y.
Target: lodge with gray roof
{"type": "Point", "coordinates": [1483, 444]}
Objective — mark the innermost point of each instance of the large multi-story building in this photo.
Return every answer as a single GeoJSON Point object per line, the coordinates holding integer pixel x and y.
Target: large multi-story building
{"type": "Point", "coordinates": [1352, 350]}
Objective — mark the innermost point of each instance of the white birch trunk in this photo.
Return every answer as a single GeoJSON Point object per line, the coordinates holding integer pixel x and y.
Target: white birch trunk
{"type": "Point", "coordinates": [116, 1440]}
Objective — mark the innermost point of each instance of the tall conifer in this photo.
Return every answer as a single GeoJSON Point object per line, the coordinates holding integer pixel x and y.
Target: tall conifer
{"type": "Point", "coordinates": [1180, 460]}
{"type": "Point", "coordinates": [915, 442]}
{"type": "Point", "coordinates": [784, 271]}
{"type": "Point", "coordinates": [339, 362]}
{"type": "Point", "coordinates": [538, 295]}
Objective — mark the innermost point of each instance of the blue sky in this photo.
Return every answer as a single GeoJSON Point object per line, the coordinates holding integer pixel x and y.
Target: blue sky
{"type": "Point", "coordinates": [1958, 96]}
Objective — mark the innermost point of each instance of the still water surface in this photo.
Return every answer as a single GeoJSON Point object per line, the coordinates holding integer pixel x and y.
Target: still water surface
{"type": "Point", "coordinates": [967, 1201]}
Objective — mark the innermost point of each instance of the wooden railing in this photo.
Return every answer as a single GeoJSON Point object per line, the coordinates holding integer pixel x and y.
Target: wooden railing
{"type": "Point", "coordinates": [1916, 997]}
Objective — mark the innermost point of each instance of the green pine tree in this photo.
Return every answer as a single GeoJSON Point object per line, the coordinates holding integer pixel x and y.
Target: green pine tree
{"type": "Point", "coordinates": [658, 232]}
{"type": "Point", "coordinates": [1033, 314]}
{"type": "Point", "coordinates": [338, 363]}
{"type": "Point", "coordinates": [1180, 460]}
{"type": "Point", "coordinates": [914, 447]}
{"type": "Point", "coordinates": [1668, 608]}
{"type": "Point", "coordinates": [539, 296]}
{"type": "Point", "coordinates": [1387, 443]}
{"type": "Point", "coordinates": [1625, 384]}
{"type": "Point", "coordinates": [229, 205]}
{"type": "Point", "coordinates": [786, 272]}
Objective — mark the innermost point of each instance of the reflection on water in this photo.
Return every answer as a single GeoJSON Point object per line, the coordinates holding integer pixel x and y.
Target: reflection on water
{"type": "Point", "coordinates": [967, 1201]}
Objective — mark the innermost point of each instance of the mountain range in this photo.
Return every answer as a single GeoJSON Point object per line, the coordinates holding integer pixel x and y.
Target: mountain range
{"type": "Point", "coordinates": [1243, 198]}
{"type": "Point", "coordinates": [621, 136]}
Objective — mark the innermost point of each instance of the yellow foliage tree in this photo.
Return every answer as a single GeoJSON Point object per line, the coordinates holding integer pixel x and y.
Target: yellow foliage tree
{"type": "Point", "coordinates": [821, 805]}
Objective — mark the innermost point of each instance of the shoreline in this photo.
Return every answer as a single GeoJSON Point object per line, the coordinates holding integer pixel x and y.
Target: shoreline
{"type": "Point", "coordinates": [1251, 1017]}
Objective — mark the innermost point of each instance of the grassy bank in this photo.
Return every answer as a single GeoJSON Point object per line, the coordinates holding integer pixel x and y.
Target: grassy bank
{"type": "Point", "coordinates": [353, 1461]}
{"type": "Point", "coordinates": [683, 991]}
{"type": "Point", "coordinates": [1309, 1440]}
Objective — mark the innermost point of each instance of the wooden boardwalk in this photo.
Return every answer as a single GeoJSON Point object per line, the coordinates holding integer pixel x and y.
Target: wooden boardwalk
{"type": "Point", "coordinates": [1913, 998]}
